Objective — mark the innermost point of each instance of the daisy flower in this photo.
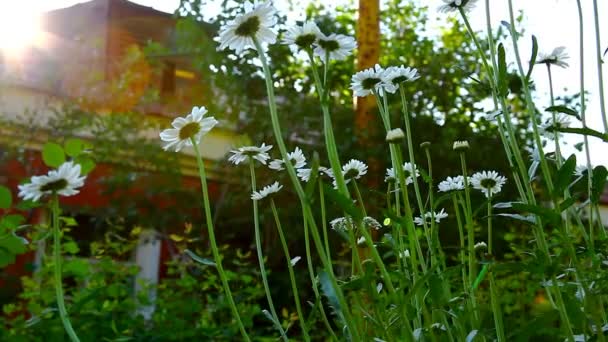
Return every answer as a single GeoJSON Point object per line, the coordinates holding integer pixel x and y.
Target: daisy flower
{"type": "Point", "coordinates": [451, 184]}
{"type": "Point", "coordinates": [368, 81]}
{"type": "Point", "coordinates": [556, 57]}
{"type": "Point", "coordinates": [297, 159]}
{"type": "Point", "coordinates": [408, 172]}
{"type": "Point", "coordinates": [428, 217]}
{"type": "Point", "coordinates": [346, 223]}
{"type": "Point", "coordinates": [266, 191]}
{"type": "Point", "coordinates": [460, 145]}
{"type": "Point", "coordinates": [455, 5]}
{"type": "Point", "coordinates": [295, 260]}
{"type": "Point", "coordinates": [193, 126]}
{"type": "Point", "coordinates": [405, 254]}
{"type": "Point", "coordinates": [257, 23]}
{"type": "Point", "coordinates": [549, 128]}
{"type": "Point", "coordinates": [480, 245]}
{"type": "Point", "coordinates": [303, 36]}
{"type": "Point", "coordinates": [304, 174]}
{"type": "Point", "coordinates": [395, 135]}
{"type": "Point", "coordinates": [396, 75]}
{"type": "Point", "coordinates": [243, 153]}
{"type": "Point", "coordinates": [63, 181]}
{"type": "Point", "coordinates": [488, 182]}
{"type": "Point", "coordinates": [337, 46]}
{"type": "Point", "coordinates": [354, 169]}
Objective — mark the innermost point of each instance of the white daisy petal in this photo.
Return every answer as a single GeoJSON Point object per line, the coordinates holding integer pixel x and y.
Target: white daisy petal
{"type": "Point", "coordinates": [194, 126]}
{"type": "Point", "coordinates": [488, 182]}
{"type": "Point", "coordinates": [64, 181]}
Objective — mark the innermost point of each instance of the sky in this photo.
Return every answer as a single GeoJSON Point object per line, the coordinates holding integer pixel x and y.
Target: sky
{"type": "Point", "coordinates": [553, 22]}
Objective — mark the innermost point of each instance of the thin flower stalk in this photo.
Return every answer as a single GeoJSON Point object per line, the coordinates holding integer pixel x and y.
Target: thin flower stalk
{"type": "Point", "coordinates": [558, 153]}
{"type": "Point", "coordinates": [529, 103]}
{"type": "Point", "coordinates": [462, 252]}
{"type": "Point", "coordinates": [600, 71]}
{"type": "Point", "coordinates": [590, 211]}
{"type": "Point", "coordinates": [434, 228]}
{"type": "Point", "coordinates": [499, 120]}
{"type": "Point", "coordinates": [214, 249]}
{"type": "Point", "coordinates": [544, 166]}
{"type": "Point", "coordinates": [398, 167]}
{"type": "Point", "coordinates": [511, 147]}
{"type": "Point", "coordinates": [330, 141]}
{"type": "Point", "coordinates": [298, 187]}
{"type": "Point", "coordinates": [313, 278]}
{"type": "Point", "coordinates": [324, 217]}
{"type": "Point", "coordinates": [260, 253]}
{"type": "Point", "coordinates": [292, 278]}
{"type": "Point", "coordinates": [470, 237]}
{"type": "Point", "coordinates": [410, 149]}
{"type": "Point", "coordinates": [63, 313]}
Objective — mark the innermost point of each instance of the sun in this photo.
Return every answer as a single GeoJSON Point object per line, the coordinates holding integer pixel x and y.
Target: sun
{"type": "Point", "coordinates": [20, 28]}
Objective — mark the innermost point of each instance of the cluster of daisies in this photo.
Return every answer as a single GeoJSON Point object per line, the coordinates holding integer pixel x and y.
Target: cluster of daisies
{"type": "Point", "coordinates": [488, 182]}
{"type": "Point", "coordinates": [379, 81]}
{"type": "Point", "coordinates": [256, 27]}
{"type": "Point", "coordinates": [353, 169]}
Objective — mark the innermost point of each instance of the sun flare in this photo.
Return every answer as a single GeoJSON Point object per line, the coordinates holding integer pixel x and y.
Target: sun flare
{"type": "Point", "coordinates": [20, 28]}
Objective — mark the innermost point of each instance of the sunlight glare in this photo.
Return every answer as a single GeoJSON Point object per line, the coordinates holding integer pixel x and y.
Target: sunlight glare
{"type": "Point", "coordinates": [20, 28]}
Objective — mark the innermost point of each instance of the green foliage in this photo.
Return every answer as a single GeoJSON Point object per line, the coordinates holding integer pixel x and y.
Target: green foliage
{"type": "Point", "coordinates": [53, 154]}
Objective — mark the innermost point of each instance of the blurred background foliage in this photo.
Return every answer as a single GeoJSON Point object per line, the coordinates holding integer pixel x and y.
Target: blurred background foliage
{"type": "Point", "coordinates": [448, 103]}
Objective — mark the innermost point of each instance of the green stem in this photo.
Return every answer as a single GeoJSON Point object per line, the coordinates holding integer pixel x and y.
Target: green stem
{"type": "Point", "coordinates": [410, 150]}
{"type": "Point", "coordinates": [497, 312]}
{"type": "Point", "coordinates": [600, 72]}
{"type": "Point", "coordinates": [258, 247]}
{"type": "Point", "coordinates": [292, 278]}
{"type": "Point", "coordinates": [63, 313]}
{"type": "Point", "coordinates": [462, 253]}
{"type": "Point", "coordinates": [330, 141]}
{"type": "Point", "coordinates": [212, 242]}
{"type": "Point", "coordinates": [313, 279]}
{"type": "Point", "coordinates": [332, 154]}
{"type": "Point", "coordinates": [324, 218]}
{"type": "Point", "coordinates": [490, 225]}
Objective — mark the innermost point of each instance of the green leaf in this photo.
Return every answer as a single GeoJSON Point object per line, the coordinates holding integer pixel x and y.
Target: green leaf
{"type": "Point", "coordinates": [343, 202]}
{"type": "Point", "coordinates": [86, 164]}
{"type": "Point", "coordinates": [53, 155]}
{"type": "Point", "coordinates": [73, 147]}
{"type": "Point", "coordinates": [27, 205]}
{"type": "Point", "coordinates": [11, 222]}
{"type": "Point", "coordinates": [503, 80]}
{"type": "Point", "coordinates": [437, 290]}
{"type": "Point", "coordinates": [6, 197]}
{"type": "Point", "coordinates": [598, 181]}
{"type": "Point", "coordinates": [564, 176]}
{"type": "Point", "coordinates": [198, 259]}
{"type": "Point", "coordinates": [480, 276]}
{"type": "Point", "coordinates": [533, 57]}
{"type": "Point", "coordinates": [563, 110]}
{"type": "Point", "coordinates": [71, 247]}
{"type": "Point", "coordinates": [314, 174]}
{"type": "Point", "coordinates": [525, 218]}
{"type": "Point", "coordinates": [548, 215]}
{"type": "Point", "coordinates": [11, 245]}
{"type": "Point", "coordinates": [566, 204]}
{"type": "Point", "coordinates": [582, 131]}
{"type": "Point", "coordinates": [77, 267]}
{"type": "Point", "coordinates": [330, 292]}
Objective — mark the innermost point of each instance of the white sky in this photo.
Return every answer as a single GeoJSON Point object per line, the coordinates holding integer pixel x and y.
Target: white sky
{"type": "Point", "coordinates": [554, 22]}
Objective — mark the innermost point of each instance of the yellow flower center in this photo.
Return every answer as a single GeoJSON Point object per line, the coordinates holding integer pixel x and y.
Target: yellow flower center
{"type": "Point", "coordinates": [189, 130]}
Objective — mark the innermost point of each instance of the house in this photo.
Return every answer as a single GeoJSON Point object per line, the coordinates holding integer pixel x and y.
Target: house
{"type": "Point", "coordinates": [93, 55]}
